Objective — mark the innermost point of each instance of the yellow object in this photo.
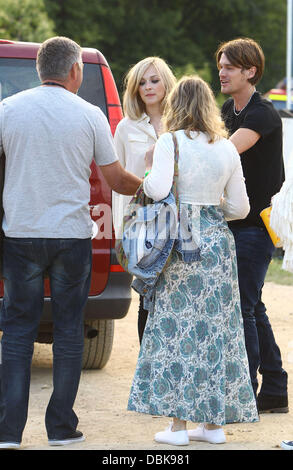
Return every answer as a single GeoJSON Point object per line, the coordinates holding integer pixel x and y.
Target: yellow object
{"type": "Point", "coordinates": [265, 215]}
{"type": "Point", "coordinates": [275, 97]}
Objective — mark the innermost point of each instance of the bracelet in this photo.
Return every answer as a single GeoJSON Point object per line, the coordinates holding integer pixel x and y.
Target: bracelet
{"type": "Point", "coordinates": [146, 173]}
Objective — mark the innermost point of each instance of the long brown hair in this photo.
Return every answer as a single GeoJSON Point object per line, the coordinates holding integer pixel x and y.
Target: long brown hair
{"type": "Point", "coordinates": [191, 106]}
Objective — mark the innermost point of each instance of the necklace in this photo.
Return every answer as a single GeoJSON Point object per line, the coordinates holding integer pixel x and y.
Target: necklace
{"type": "Point", "coordinates": [54, 84]}
{"type": "Point", "coordinates": [239, 112]}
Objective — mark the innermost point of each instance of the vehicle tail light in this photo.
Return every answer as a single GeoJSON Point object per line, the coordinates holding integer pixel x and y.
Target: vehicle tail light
{"type": "Point", "coordinates": [6, 41]}
{"type": "Point", "coordinates": [113, 101]}
{"type": "Point", "coordinates": [115, 115]}
{"type": "Point", "coordinates": [115, 268]}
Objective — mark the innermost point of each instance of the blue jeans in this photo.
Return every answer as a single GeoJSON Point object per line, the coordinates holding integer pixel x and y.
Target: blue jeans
{"type": "Point", "coordinates": [68, 262]}
{"type": "Point", "coordinates": [254, 250]}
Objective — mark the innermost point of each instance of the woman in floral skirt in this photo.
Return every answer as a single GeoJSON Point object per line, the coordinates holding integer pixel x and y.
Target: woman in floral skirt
{"type": "Point", "coordinates": [192, 364]}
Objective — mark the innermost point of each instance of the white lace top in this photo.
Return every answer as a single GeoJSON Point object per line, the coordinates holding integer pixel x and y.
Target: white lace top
{"type": "Point", "coordinates": [209, 174]}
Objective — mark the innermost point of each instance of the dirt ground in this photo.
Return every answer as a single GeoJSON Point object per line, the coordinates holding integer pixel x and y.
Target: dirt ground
{"type": "Point", "coordinates": [103, 394]}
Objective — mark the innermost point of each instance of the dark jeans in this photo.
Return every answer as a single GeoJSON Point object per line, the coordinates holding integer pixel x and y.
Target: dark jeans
{"type": "Point", "coordinates": [68, 262]}
{"type": "Point", "coordinates": [254, 250]}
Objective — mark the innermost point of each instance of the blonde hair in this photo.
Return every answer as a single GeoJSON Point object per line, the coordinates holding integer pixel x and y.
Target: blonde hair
{"type": "Point", "coordinates": [191, 106]}
{"type": "Point", "coordinates": [133, 105]}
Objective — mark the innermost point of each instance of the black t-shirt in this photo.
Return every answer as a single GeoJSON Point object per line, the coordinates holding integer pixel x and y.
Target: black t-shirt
{"type": "Point", "coordinates": [262, 164]}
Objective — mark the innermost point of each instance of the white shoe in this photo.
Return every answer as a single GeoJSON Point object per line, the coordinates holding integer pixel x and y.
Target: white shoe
{"type": "Point", "coordinates": [213, 436]}
{"type": "Point", "coordinates": [287, 445]}
{"type": "Point", "coordinates": [175, 438]}
{"type": "Point", "coordinates": [9, 445]}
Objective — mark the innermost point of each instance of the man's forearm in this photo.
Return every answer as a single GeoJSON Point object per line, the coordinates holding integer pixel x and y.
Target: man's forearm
{"type": "Point", "coordinates": [120, 180]}
{"type": "Point", "coordinates": [129, 184]}
{"type": "Point", "coordinates": [244, 139]}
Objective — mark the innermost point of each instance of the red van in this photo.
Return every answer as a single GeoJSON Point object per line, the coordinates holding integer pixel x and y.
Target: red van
{"type": "Point", "coordinates": [110, 292]}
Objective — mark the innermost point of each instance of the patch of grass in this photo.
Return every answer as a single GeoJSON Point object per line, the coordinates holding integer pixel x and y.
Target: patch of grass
{"type": "Point", "coordinates": [278, 275]}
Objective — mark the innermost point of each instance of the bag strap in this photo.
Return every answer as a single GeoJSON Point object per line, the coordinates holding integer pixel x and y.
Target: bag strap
{"type": "Point", "coordinates": [176, 170]}
{"type": "Point", "coordinates": [174, 188]}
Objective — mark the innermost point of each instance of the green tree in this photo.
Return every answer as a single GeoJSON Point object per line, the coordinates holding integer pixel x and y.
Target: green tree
{"type": "Point", "coordinates": [183, 32]}
{"type": "Point", "coordinates": [25, 20]}
{"type": "Point", "coordinates": [208, 23]}
{"type": "Point", "coordinates": [126, 31]}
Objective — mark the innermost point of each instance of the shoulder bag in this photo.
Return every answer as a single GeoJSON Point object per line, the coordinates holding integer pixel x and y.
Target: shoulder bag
{"type": "Point", "coordinates": [141, 200]}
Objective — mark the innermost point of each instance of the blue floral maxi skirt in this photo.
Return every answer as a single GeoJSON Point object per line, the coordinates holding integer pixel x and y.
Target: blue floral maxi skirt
{"type": "Point", "coordinates": [192, 363]}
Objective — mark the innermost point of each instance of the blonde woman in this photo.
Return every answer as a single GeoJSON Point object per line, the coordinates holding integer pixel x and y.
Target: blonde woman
{"type": "Point", "coordinates": [192, 364]}
{"type": "Point", "coordinates": [147, 86]}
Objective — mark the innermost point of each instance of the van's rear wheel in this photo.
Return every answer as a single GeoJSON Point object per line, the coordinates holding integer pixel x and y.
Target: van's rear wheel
{"type": "Point", "coordinates": [97, 350]}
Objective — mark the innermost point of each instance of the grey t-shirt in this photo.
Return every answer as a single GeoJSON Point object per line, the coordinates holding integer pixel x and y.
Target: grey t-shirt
{"type": "Point", "coordinates": [50, 137]}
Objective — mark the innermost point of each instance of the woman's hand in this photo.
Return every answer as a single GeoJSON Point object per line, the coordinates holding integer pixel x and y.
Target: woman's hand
{"type": "Point", "coordinates": [149, 158]}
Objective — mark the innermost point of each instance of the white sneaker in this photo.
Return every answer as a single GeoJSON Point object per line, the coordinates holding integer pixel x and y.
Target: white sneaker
{"type": "Point", "coordinates": [213, 436]}
{"type": "Point", "coordinates": [287, 445]}
{"type": "Point", "coordinates": [9, 445]}
{"type": "Point", "coordinates": [175, 438]}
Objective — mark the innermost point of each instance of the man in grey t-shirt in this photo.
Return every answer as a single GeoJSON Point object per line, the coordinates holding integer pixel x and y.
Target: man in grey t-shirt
{"type": "Point", "coordinates": [49, 136]}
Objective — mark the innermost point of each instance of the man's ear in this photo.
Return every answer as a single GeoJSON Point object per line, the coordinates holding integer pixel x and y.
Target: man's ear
{"type": "Point", "coordinates": [74, 71]}
{"type": "Point", "coordinates": [251, 72]}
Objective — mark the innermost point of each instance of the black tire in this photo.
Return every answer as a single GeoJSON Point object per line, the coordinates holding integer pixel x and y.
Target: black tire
{"type": "Point", "coordinates": [97, 350]}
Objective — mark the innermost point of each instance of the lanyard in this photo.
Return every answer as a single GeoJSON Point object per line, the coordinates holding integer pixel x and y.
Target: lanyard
{"type": "Point", "coordinates": [54, 84]}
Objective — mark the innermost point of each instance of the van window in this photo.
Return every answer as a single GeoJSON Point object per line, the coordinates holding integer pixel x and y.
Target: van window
{"type": "Point", "coordinates": [92, 87]}
{"type": "Point", "coordinates": [20, 74]}
{"type": "Point", "coordinates": [17, 75]}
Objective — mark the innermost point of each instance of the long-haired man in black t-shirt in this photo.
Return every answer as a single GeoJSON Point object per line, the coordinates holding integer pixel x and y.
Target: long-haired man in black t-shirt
{"type": "Point", "coordinates": [256, 130]}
